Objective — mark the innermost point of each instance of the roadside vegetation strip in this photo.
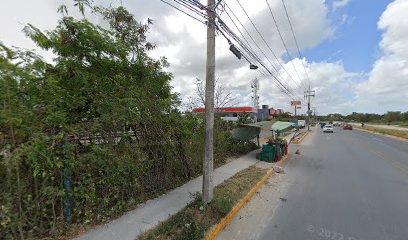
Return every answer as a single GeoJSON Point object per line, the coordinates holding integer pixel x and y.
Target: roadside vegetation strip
{"type": "Point", "coordinates": [194, 220]}
{"type": "Point", "coordinates": [395, 134]}
{"type": "Point", "coordinates": [215, 231]}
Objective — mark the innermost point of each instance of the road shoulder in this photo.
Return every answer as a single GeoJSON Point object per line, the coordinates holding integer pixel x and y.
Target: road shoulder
{"type": "Point", "coordinates": [250, 221]}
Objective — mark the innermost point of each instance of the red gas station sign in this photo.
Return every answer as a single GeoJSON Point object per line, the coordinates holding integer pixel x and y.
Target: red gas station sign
{"type": "Point", "coordinates": [227, 110]}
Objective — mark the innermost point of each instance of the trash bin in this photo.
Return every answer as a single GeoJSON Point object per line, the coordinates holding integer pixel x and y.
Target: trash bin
{"type": "Point", "coordinates": [267, 154]}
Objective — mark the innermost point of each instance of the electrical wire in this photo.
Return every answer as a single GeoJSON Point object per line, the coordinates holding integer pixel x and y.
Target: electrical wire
{"type": "Point", "coordinates": [262, 37]}
{"type": "Point", "coordinates": [247, 51]}
{"type": "Point", "coordinates": [278, 83]}
{"type": "Point", "coordinates": [192, 8]}
{"type": "Point", "coordinates": [287, 89]}
{"type": "Point", "coordinates": [188, 14]}
{"type": "Point", "coordinates": [296, 42]}
{"type": "Point", "coordinates": [284, 44]}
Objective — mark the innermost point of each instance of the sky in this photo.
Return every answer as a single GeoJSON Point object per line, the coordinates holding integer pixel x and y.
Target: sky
{"type": "Point", "coordinates": [354, 53]}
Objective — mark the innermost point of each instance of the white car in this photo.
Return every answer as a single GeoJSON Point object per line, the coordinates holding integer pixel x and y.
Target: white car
{"type": "Point", "coordinates": [301, 123]}
{"type": "Point", "coordinates": [328, 128]}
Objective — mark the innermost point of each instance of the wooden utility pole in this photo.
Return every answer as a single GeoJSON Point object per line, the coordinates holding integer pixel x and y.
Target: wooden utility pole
{"type": "Point", "coordinates": [208, 166]}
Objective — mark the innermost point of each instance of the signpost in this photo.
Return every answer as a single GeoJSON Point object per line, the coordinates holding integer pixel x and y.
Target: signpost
{"type": "Point", "coordinates": [295, 104]}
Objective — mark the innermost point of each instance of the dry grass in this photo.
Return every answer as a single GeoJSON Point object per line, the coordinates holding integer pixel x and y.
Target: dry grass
{"type": "Point", "coordinates": [194, 220]}
{"type": "Point", "coordinates": [397, 133]}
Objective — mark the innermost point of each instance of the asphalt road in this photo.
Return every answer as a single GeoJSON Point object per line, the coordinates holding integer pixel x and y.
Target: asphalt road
{"type": "Point", "coordinates": [346, 185]}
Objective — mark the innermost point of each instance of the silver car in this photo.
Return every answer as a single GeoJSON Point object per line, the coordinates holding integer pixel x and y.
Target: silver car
{"type": "Point", "coordinates": [328, 128]}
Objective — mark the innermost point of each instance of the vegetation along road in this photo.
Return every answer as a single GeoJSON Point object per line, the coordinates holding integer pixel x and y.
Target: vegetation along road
{"type": "Point", "coordinates": [347, 185]}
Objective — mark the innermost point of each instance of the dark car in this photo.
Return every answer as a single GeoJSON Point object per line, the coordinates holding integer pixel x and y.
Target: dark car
{"type": "Point", "coordinates": [322, 124]}
{"type": "Point", "coordinates": [347, 127]}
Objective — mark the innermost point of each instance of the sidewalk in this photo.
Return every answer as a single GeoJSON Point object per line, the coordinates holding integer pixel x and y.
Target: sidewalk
{"type": "Point", "coordinates": [151, 213]}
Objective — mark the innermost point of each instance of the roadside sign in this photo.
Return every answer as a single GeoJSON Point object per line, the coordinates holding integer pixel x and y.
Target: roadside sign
{"type": "Point", "coordinates": [295, 103]}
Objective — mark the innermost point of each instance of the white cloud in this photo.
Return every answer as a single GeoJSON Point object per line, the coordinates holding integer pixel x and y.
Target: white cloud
{"type": "Point", "coordinates": [346, 19]}
{"type": "Point", "coordinates": [332, 83]}
{"type": "Point", "coordinates": [387, 86]}
{"type": "Point", "coordinates": [337, 4]}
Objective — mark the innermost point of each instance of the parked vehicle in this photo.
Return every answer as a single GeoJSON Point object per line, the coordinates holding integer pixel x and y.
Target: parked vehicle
{"type": "Point", "coordinates": [347, 127]}
{"type": "Point", "coordinates": [328, 129]}
{"type": "Point", "coordinates": [301, 123]}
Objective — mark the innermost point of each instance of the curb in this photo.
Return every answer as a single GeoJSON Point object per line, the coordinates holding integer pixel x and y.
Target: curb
{"type": "Point", "coordinates": [381, 134]}
{"type": "Point", "coordinates": [216, 230]}
{"type": "Point", "coordinates": [301, 139]}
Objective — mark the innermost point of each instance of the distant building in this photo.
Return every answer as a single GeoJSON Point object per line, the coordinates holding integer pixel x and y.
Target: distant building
{"type": "Point", "coordinates": [265, 112]}
{"type": "Point", "coordinates": [275, 112]}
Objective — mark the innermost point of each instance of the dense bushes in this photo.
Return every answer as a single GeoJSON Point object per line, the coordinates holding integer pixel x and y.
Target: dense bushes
{"type": "Point", "coordinates": [105, 180]}
{"type": "Point", "coordinates": [98, 130]}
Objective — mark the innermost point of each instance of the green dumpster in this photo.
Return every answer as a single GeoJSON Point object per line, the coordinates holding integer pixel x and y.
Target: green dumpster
{"type": "Point", "coordinates": [267, 154]}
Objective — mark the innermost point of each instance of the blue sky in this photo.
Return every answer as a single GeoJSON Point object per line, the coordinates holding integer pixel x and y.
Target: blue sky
{"type": "Point", "coordinates": [355, 41]}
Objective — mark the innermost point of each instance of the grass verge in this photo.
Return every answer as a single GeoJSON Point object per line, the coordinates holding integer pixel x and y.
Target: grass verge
{"type": "Point", "coordinates": [194, 220]}
{"type": "Point", "coordinates": [398, 123]}
{"type": "Point", "coordinates": [392, 132]}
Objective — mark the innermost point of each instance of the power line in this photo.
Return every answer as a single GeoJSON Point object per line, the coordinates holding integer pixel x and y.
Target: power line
{"type": "Point", "coordinates": [280, 84]}
{"type": "Point", "coordinates": [296, 42]}
{"type": "Point", "coordinates": [188, 14]}
{"type": "Point", "coordinates": [190, 6]}
{"type": "Point", "coordinates": [262, 37]}
{"type": "Point", "coordinates": [242, 35]}
{"type": "Point", "coordinates": [283, 42]}
{"type": "Point", "coordinates": [248, 49]}
{"type": "Point", "coordinates": [192, 12]}
{"type": "Point", "coordinates": [287, 89]}
{"type": "Point", "coordinates": [239, 42]}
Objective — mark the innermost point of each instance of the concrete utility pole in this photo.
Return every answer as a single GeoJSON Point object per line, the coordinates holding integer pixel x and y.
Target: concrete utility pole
{"type": "Point", "coordinates": [208, 166]}
{"type": "Point", "coordinates": [255, 96]}
{"type": "Point", "coordinates": [309, 94]}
